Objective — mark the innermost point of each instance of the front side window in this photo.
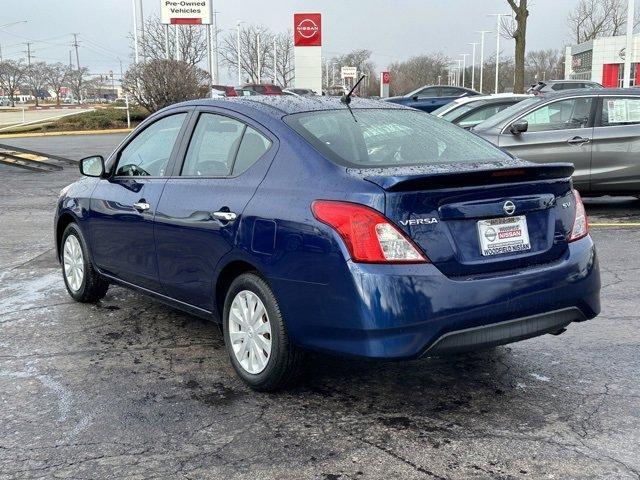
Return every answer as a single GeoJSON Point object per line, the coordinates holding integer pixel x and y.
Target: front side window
{"type": "Point", "coordinates": [148, 153]}
{"type": "Point", "coordinates": [452, 92]}
{"type": "Point", "coordinates": [561, 115]}
{"type": "Point", "coordinates": [620, 111]}
{"type": "Point", "coordinates": [213, 146]}
{"type": "Point", "coordinates": [388, 138]}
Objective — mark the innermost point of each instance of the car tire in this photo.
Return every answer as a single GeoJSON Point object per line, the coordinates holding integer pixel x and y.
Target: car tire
{"type": "Point", "coordinates": [262, 353]}
{"type": "Point", "coordinates": [83, 282]}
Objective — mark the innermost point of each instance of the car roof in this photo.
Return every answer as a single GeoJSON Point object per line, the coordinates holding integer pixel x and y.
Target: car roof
{"type": "Point", "coordinates": [590, 92]}
{"type": "Point", "coordinates": [278, 106]}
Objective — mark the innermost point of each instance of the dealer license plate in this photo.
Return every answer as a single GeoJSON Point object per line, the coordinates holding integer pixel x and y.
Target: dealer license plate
{"type": "Point", "coordinates": [503, 235]}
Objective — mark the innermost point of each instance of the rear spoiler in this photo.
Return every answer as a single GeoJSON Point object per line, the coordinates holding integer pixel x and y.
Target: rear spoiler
{"type": "Point", "coordinates": [527, 172]}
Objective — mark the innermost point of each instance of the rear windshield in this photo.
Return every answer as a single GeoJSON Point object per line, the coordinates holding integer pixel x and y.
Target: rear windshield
{"type": "Point", "coordinates": [385, 138]}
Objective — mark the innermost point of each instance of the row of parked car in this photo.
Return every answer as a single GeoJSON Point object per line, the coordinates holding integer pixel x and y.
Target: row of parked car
{"type": "Point", "coordinates": [258, 89]}
{"type": "Point", "coordinates": [596, 129]}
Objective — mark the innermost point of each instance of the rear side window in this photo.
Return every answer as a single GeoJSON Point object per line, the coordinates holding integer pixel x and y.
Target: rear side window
{"type": "Point", "coordinates": [388, 138]}
{"type": "Point", "coordinates": [253, 146]}
{"type": "Point", "coordinates": [482, 114]}
{"type": "Point", "coordinates": [620, 111]}
{"type": "Point", "coordinates": [561, 115]}
{"type": "Point", "coordinates": [213, 146]}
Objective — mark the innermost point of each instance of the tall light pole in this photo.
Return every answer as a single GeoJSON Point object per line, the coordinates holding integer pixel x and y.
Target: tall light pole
{"type": "Point", "coordinates": [464, 67]}
{"type": "Point", "coordinates": [275, 61]}
{"type": "Point", "coordinates": [482, 32]}
{"type": "Point", "coordinates": [239, 56]}
{"type": "Point", "coordinates": [458, 71]}
{"type": "Point", "coordinates": [473, 65]}
{"type": "Point", "coordinates": [136, 56]}
{"type": "Point", "coordinates": [629, 49]}
{"type": "Point", "coordinates": [498, 23]}
{"type": "Point", "coordinates": [259, 59]}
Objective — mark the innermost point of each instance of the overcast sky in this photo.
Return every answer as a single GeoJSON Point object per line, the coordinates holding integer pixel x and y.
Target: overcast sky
{"type": "Point", "coordinates": [391, 29]}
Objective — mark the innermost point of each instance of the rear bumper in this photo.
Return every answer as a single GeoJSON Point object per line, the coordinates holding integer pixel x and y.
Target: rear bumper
{"type": "Point", "coordinates": [406, 311]}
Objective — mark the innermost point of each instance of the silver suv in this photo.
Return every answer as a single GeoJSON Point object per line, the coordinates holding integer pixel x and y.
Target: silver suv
{"type": "Point", "coordinates": [550, 86]}
{"type": "Point", "coordinates": [597, 130]}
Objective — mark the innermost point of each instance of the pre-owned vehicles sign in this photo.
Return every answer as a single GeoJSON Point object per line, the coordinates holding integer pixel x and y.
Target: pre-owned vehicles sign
{"type": "Point", "coordinates": [186, 12]}
{"type": "Point", "coordinates": [307, 30]}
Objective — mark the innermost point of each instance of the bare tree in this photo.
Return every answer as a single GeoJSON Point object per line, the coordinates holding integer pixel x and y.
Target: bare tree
{"type": "Point", "coordinates": [56, 76]}
{"type": "Point", "coordinates": [36, 78]}
{"type": "Point", "coordinates": [192, 42]}
{"type": "Point", "coordinates": [416, 72]}
{"type": "Point", "coordinates": [256, 52]}
{"type": "Point", "coordinates": [159, 83]}
{"type": "Point", "coordinates": [543, 65]}
{"type": "Point", "coordinates": [599, 18]}
{"type": "Point", "coordinates": [77, 80]}
{"type": "Point", "coordinates": [516, 28]}
{"type": "Point", "coordinates": [285, 71]}
{"type": "Point", "coordinates": [361, 59]}
{"type": "Point", "coordinates": [12, 75]}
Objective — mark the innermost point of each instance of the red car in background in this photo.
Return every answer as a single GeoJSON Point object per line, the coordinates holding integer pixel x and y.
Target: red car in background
{"type": "Point", "coordinates": [263, 89]}
{"type": "Point", "coordinates": [225, 90]}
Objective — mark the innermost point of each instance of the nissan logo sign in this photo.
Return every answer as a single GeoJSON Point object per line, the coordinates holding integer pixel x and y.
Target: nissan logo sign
{"type": "Point", "coordinates": [307, 28]}
{"type": "Point", "coordinates": [509, 207]}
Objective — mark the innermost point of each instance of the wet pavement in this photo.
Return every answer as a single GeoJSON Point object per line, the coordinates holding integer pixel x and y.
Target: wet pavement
{"type": "Point", "coordinates": [129, 388]}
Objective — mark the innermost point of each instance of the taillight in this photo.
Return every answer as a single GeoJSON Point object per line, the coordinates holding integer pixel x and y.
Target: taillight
{"type": "Point", "coordinates": [580, 226]}
{"type": "Point", "coordinates": [368, 235]}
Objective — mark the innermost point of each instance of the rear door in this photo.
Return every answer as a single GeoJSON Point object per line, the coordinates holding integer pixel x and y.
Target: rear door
{"type": "Point", "coordinates": [123, 206]}
{"type": "Point", "coordinates": [615, 165]}
{"type": "Point", "coordinates": [559, 131]}
{"type": "Point", "coordinates": [224, 160]}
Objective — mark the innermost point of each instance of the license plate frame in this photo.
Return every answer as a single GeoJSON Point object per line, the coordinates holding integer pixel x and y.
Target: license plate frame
{"type": "Point", "coordinates": [503, 235]}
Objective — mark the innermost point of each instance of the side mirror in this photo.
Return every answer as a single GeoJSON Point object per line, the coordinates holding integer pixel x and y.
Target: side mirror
{"type": "Point", "coordinates": [414, 98]}
{"type": "Point", "coordinates": [92, 166]}
{"type": "Point", "coordinates": [519, 127]}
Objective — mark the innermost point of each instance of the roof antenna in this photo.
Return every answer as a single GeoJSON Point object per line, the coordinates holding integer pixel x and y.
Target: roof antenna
{"type": "Point", "coordinates": [346, 99]}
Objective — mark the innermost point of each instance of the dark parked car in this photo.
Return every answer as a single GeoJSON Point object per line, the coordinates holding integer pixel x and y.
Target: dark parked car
{"type": "Point", "coordinates": [597, 130]}
{"type": "Point", "coordinates": [303, 224]}
{"type": "Point", "coordinates": [430, 97]}
{"type": "Point", "coordinates": [467, 112]}
{"type": "Point", "coordinates": [551, 86]}
{"type": "Point", "coordinates": [263, 89]}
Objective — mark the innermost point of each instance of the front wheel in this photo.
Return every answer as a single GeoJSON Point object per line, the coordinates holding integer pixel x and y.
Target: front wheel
{"type": "Point", "coordinates": [255, 336]}
{"type": "Point", "coordinates": [83, 283]}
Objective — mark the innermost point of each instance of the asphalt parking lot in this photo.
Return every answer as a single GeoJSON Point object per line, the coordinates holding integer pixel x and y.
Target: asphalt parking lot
{"type": "Point", "coordinates": [129, 388]}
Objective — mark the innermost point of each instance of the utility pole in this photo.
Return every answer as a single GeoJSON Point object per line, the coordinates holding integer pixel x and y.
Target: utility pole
{"type": "Point", "coordinates": [9, 25]}
{"type": "Point", "coordinates": [464, 68]}
{"type": "Point", "coordinates": [28, 44]}
{"type": "Point", "coordinates": [136, 55]}
{"type": "Point", "coordinates": [628, 55]}
{"type": "Point", "coordinates": [144, 56]}
{"type": "Point", "coordinates": [498, 23]}
{"type": "Point", "coordinates": [473, 65]}
{"type": "Point", "coordinates": [75, 44]}
{"type": "Point", "coordinates": [482, 32]}
{"type": "Point", "coordinates": [70, 62]}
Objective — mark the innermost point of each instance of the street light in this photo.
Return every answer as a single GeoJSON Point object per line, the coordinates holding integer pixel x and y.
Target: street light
{"type": "Point", "coordinates": [473, 65]}
{"type": "Point", "coordinates": [629, 46]}
{"type": "Point", "coordinates": [482, 32]}
{"type": "Point", "coordinates": [238, 48]}
{"type": "Point", "coordinates": [9, 25]}
{"type": "Point", "coordinates": [464, 67]}
{"type": "Point", "coordinates": [498, 23]}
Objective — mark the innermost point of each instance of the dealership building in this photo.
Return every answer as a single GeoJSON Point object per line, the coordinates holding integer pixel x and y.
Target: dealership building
{"type": "Point", "coordinates": [602, 60]}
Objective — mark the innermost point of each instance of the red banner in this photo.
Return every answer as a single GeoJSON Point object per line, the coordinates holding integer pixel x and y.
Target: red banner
{"type": "Point", "coordinates": [307, 30]}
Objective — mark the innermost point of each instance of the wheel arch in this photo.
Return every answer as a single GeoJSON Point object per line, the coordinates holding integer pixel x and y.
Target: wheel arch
{"type": "Point", "coordinates": [229, 272]}
{"type": "Point", "coordinates": [63, 222]}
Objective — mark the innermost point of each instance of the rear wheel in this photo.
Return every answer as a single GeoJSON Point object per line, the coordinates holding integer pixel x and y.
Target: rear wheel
{"type": "Point", "coordinates": [257, 342]}
{"type": "Point", "coordinates": [83, 283]}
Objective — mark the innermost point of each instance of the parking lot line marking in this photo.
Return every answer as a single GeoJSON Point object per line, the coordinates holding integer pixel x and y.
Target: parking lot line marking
{"type": "Point", "coordinates": [635, 224]}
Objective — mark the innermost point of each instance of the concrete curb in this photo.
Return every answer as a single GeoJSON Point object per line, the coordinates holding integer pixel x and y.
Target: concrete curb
{"type": "Point", "coordinates": [73, 132]}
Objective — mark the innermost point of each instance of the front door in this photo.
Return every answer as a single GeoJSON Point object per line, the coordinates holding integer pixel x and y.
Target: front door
{"type": "Point", "coordinates": [197, 219]}
{"type": "Point", "coordinates": [559, 131]}
{"type": "Point", "coordinates": [615, 167]}
{"type": "Point", "coordinates": [123, 206]}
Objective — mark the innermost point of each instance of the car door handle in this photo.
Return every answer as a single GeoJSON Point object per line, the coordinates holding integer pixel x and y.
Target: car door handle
{"type": "Point", "coordinates": [141, 206]}
{"type": "Point", "coordinates": [578, 141]}
{"type": "Point", "coordinates": [225, 216]}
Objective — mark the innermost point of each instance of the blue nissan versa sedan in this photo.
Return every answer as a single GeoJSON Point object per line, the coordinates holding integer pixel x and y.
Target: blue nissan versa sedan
{"type": "Point", "coordinates": [304, 223]}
